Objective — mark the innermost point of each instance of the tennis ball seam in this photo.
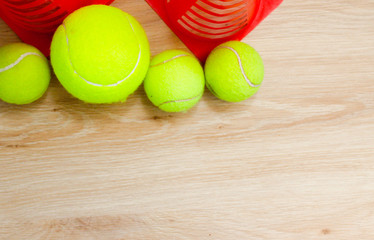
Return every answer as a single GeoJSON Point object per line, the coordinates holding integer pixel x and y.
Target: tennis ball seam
{"type": "Point", "coordinates": [241, 66]}
{"type": "Point", "coordinates": [171, 59]}
{"type": "Point", "coordinates": [180, 100]}
{"type": "Point", "coordinates": [102, 85]}
{"type": "Point", "coordinates": [23, 56]}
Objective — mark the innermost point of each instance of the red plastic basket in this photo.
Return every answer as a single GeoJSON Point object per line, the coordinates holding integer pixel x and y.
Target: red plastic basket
{"type": "Point", "coordinates": [200, 24]}
{"type": "Point", "coordinates": [35, 21]}
{"type": "Point", "coordinates": [204, 24]}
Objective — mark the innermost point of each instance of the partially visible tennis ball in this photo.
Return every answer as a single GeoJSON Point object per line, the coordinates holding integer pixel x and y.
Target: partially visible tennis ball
{"type": "Point", "coordinates": [234, 71]}
{"type": "Point", "coordinates": [175, 81]}
{"type": "Point", "coordinates": [100, 54]}
{"type": "Point", "coordinates": [24, 73]}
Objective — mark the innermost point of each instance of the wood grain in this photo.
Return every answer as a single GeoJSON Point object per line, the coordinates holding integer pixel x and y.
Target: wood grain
{"type": "Point", "coordinates": [294, 162]}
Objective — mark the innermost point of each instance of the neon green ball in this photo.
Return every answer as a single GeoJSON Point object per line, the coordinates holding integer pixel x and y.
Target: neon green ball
{"type": "Point", "coordinates": [100, 54]}
{"type": "Point", "coordinates": [234, 71]}
{"type": "Point", "coordinates": [24, 73]}
{"type": "Point", "coordinates": [175, 81]}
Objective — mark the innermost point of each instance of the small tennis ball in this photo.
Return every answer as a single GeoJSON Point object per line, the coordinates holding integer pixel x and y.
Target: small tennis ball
{"type": "Point", "coordinates": [175, 81]}
{"type": "Point", "coordinates": [234, 71]}
{"type": "Point", "coordinates": [24, 73]}
{"type": "Point", "coordinates": [100, 54]}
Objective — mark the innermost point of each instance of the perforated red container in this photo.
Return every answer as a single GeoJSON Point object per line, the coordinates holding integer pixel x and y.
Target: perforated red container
{"type": "Point", "coordinates": [204, 24]}
{"type": "Point", "coordinates": [200, 24]}
{"type": "Point", "coordinates": [35, 21]}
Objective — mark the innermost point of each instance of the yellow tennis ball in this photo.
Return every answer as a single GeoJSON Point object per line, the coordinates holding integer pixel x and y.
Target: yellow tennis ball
{"type": "Point", "coordinates": [24, 73]}
{"type": "Point", "coordinates": [234, 71]}
{"type": "Point", "coordinates": [175, 81]}
{"type": "Point", "coordinates": [100, 54]}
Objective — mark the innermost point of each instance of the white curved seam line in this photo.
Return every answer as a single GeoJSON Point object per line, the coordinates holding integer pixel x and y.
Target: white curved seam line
{"type": "Point", "coordinates": [171, 59]}
{"type": "Point", "coordinates": [19, 60]}
{"type": "Point", "coordinates": [101, 85]}
{"type": "Point", "coordinates": [241, 67]}
{"type": "Point", "coordinates": [181, 100]}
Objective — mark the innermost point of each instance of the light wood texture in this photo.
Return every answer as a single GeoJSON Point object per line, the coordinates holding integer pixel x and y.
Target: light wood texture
{"type": "Point", "coordinates": [294, 162]}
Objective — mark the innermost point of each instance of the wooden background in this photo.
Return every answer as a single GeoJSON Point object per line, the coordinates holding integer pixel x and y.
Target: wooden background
{"type": "Point", "coordinates": [294, 162]}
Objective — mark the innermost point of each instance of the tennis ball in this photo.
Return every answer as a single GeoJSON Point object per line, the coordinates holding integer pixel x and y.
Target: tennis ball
{"type": "Point", "coordinates": [175, 81]}
{"type": "Point", "coordinates": [234, 71]}
{"type": "Point", "coordinates": [24, 73]}
{"type": "Point", "coordinates": [100, 54]}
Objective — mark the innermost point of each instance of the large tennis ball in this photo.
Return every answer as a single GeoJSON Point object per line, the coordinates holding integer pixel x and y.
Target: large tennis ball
{"type": "Point", "coordinates": [175, 81]}
{"type": "Point", "coordinates": [234, 71]}
{"type": "Point", "coordinates": [24, 73]}
{"type": "Point", "coordinates": [100, 54]}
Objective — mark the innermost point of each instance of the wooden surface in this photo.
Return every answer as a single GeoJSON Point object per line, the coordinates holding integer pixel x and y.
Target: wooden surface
{"type": "Point", "coordinates": [294, 162]}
